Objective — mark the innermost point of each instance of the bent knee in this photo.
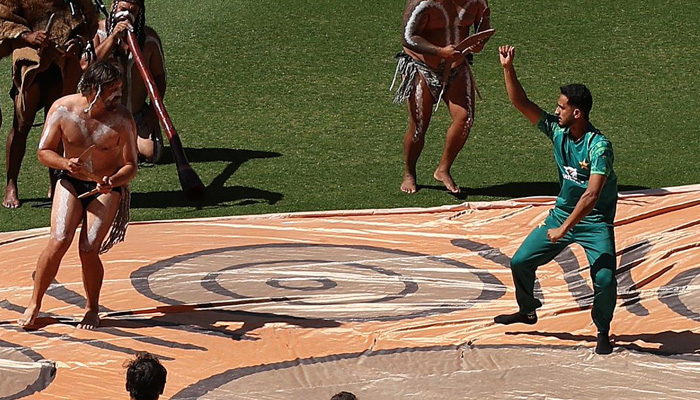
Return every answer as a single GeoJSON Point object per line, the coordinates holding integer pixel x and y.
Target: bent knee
{"type": "Point", "coordinates": [464, 124]}
{"type": "Point", "coordinates": [519, 261]}
{"type": "Point", "coordinates": [88, 248]}
{"type": "Point", "coordinates": [604, 278]}
{"type": "Point", "coordinates": [59, 243]}
{"type": "Point", "coordinates": [146, 149]}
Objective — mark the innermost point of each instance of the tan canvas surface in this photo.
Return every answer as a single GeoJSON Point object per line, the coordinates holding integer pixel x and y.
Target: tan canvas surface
{"type": "Point", "coordinates": [385, 303]}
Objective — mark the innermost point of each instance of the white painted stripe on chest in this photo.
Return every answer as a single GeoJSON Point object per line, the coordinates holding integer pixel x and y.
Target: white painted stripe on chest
{"type": "Point", "coordinates": [60, 113]}
{"type": "Point", "coordinates": [111, 126]}
{"type": "Point", "coordinates": [411, 24]}
{"type": "Point", "coordinates": [461, 14]}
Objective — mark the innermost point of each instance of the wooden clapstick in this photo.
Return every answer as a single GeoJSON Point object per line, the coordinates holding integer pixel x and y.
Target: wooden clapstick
{"type": "Point", "coordinates": [475, 39]}
{"type": "Point", "coordinates": [465, 46]}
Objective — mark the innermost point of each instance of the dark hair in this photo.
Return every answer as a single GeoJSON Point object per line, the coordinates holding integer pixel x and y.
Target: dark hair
{"type": "Point", "coordinates": [344, 396]}
{"type": "Point", "coordinates": [145, 377]}
{"type": "Point", "coordinates": [139, 24]}
{"type": "Point", "coordinates": [579, 96]}
{"type": "Point", "coordinates": [98, 74]}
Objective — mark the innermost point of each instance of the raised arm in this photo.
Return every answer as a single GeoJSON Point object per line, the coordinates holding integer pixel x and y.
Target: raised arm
{"type": "Point", "coordinates": [104, 46]}
{"type": "Point", "coordinates": [515, 90]}
{"type": "Point", "coordinates": [415, 19]}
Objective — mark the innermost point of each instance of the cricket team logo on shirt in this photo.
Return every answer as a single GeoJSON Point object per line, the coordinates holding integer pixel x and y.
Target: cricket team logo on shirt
{"type": "Point", "coordinates": [571, 174]}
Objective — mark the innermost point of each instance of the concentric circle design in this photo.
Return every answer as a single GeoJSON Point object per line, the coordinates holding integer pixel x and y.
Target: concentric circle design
{"type": "Point", "coordinates": [455, 373]}
{"type": "Point", "coordinates": [22, 372]}
{"type": "Point", "coordinates": [321, 281]}
{"type": "Point", "coordinates": [681, 301]}
{"type": "Point", "coordinates": [299, 284]}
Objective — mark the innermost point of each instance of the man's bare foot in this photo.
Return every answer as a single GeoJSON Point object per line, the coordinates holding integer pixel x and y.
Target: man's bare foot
{"type": "Point", "coordinates": [90, 321]}
{"type": "Point", "coordinates": [447, 180]}
{"type": "Point", "coordinates": [409, 184]}
{"type": "Point", "coordinates": [28, 318]}
{"type": "Point", "coordinates": [11, 200]}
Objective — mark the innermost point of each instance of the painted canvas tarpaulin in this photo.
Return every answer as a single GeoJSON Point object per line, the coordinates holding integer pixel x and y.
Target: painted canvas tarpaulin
{"type": "Point", "coordinates": [386, 304]}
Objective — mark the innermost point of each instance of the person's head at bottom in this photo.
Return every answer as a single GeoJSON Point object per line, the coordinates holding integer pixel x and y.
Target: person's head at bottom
{"type": "Point", "coordinates": [145, 377]}
{"type": "Point", "coordinates": [344, 396]}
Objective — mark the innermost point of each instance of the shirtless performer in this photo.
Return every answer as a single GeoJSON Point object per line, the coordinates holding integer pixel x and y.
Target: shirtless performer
{"type": "Point", "coordinates": [110, 44]}
{"type": "Point", "coordinates": [432, 28]}
{"type": "Point", "coordinates": [99, 152]}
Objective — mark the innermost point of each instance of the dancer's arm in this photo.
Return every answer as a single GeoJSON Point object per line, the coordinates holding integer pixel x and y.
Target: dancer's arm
{"type": "Point", "coordinates": [515, 90]}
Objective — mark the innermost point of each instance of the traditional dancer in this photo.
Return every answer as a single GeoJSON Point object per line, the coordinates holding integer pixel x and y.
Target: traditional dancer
{"type": "Point", "coordinates": [46, 39]}
{"type": "Point", "coordinates": [585, 209]}
{"type": "Point", "coordinates": [110, 43]}
{"type": "Point", "coordinates": [98, 135]}
{"type": "Point", "coordinates": [432, 29]}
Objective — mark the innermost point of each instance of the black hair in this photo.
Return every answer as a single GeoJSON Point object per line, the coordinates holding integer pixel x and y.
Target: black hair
{"type": "Point", "coordinates": [344, 396]}
{"type": "Point", "coordinates": [579, 96]}
{"type": "Point", "coordinates": [145, 377]}
{"type": "Point", "coordinates": [98, 74]}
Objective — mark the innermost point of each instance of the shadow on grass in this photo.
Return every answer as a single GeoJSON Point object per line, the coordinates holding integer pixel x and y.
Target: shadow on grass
{"type": "Point", "coordinates": [216, 193]}
{"type": "Point", "coordinates": [516, 189]}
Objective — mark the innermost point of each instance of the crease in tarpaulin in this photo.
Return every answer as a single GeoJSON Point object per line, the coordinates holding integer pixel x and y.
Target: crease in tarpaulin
{"type": "Point", "coordinates": [353, 309]}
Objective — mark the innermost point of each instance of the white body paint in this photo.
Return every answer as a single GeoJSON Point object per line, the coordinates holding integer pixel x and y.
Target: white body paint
{"type": "Point", "coordinates": [460, 17]}
{"type": "Point", "coordinates": [59, 114]}
{"type": "Point", "coordinates": [102, 131]}
{"type": "Point", "coordinates": [60, 230]}
{"type": "Point", "coordinates": [411, 24]}
{"type": "Point", "coordinates": [91, 237]}
{"type": "Point", "coordinates": [419, 112]}
{"type": "Point", "coordinates": [458, 20]}
{"type": "Point", "coordinates": [470, 100]}
{"type": "Point", "coordinates": [92, 103]}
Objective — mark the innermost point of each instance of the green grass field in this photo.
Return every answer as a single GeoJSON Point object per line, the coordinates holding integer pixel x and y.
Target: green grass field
{"type": "Point", "coordinates": [284, 105]}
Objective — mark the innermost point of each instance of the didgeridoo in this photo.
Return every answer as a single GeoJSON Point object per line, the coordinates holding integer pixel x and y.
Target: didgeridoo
{"type": "Point", "coordinates": [189, 180]}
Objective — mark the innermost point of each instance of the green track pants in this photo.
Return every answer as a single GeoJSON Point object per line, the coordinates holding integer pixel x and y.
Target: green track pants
{"type": "Point", "coordinates": [598, 241]}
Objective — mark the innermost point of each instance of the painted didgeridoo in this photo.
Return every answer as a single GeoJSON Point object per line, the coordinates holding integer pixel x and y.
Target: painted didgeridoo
{"type": "Point", "coordinates": [189, 180]}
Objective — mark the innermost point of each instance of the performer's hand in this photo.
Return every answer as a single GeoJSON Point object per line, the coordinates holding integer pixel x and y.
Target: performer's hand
{"type": "Point", "coordinates": [36, 39]}
{"type": "Point", "coordinates": [74, 46]}
{"type": "Point", "coordinates": [74, 165]}
{"type": "Point", "coordinates": [554, 235]}
{"type": "Point", "coordinates": [105, 186]}
{"type": "Point", "coordinates": [448, 52]}
{"type": "Point", "coordinates": [122, 27]}
{"type": "Point", "coordinates": [506, 53]}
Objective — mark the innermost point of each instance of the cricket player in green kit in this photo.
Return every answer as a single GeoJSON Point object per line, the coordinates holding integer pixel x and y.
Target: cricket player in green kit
{"type": "Point", "coordinates": [585, 207]}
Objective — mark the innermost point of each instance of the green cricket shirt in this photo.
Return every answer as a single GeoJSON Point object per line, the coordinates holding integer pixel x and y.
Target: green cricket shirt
{"type": "Point", "coordinates": [576, 161]}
